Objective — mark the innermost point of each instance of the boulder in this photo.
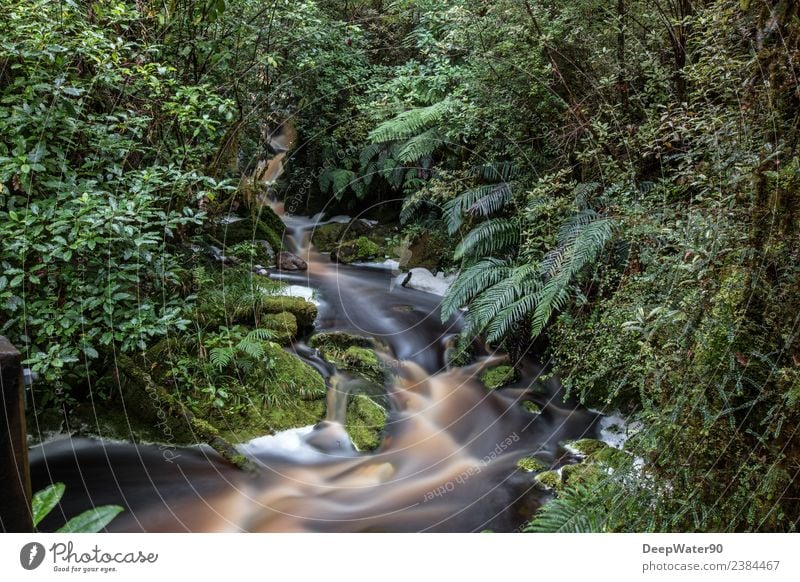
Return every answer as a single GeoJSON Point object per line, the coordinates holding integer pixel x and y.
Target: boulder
{"type": "Point", "coordinates": [290, 262]}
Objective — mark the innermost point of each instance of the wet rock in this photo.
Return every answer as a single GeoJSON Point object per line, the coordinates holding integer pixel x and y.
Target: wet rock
{"type": "Point", "coordinates": [360, 249]}
{"type": "Point", "coordinates": [290, 262]}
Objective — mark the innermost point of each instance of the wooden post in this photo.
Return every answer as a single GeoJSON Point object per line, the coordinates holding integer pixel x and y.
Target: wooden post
{"type": "Point", "coordinates": [15, 477]}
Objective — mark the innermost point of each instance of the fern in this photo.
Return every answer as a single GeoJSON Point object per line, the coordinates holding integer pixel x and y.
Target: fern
{"type": "Point", "coordinates": [573, 511]}
{"type": "Point", "coordinates": [481, 201]}
{"type": "Point", "coordinates": [496, 172]}
{"type": "Point", "coordinates": [336, 180]}
{"type": "Point", "coordinates": [472, 281]}
{"type": "Point", "coordinates": [501, 294]}
{"type": "Point", "coordinates": [489, 237]}
{"type": "Point", "coordinates": [409, 123]}
{"type": "Point", "coordinates": [420, 146]}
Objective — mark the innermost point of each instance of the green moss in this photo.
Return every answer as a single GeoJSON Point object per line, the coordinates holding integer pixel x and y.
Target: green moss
{"type": "Point", "coordinates": [288, 375]}
{"type": "Point", "coordinates": [531, 407]}
{"type": "Point", "coordinates": [350, 353]}
{"type": "Point", "coordinates": [266, 226]}
{"type": "Point", "coordinates": [587, 473]}
{"type": "Point", "coordinates": [337, 340]}
{"type": "Point", "coordinates": [326, 237]}
{"type": "Point", "coordinates": [587, 447]}
{"type": "Point", "coordinates": [365, 422]}
{"type": "Point", "coordinates": [549, 479]}
{"type": "Point", "coordinates": [360, 249]}
{"type": "Point", "coordinates": [498, 377]}
{"type": "Point", "coordinates": [283, 326]}
{"type": "Point", "coordinates": [531, 464]}
{"type": "Point", "coordinates": [304, 311]}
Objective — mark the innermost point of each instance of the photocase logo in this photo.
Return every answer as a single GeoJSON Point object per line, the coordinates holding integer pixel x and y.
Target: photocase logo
{"type": "Point", "coordinates": [31, 555]}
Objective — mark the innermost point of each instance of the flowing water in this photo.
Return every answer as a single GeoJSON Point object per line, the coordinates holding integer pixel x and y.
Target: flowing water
{"type": "Point", "coordinates": [447, 461]}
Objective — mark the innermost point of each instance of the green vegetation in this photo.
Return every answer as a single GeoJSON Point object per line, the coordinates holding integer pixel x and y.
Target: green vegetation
{"type": "Point", "coordinates": [616, 185]}
{"type": "Point", "coordinates": [90, 521]}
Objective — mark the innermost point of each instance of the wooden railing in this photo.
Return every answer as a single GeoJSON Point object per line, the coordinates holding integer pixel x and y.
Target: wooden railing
{"type": "Point", "coordinates": [15, 479]}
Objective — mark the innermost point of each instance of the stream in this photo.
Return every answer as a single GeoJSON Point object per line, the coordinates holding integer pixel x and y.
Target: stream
{"type": "Point", "coordinates": [447, 462]}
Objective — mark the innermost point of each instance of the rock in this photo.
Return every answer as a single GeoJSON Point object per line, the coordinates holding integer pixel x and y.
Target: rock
{"type": "Point", "coordinates": [430, 250]}
{"type": "Point", "coordinates": [304, 311]}
{"type": "Point", "coordinates": [531, 464]}
{"type": "Point", "coordinates": [290, 262]}
{"type": "Point", "coordinates": [360, 249]}
{"type": "Point", "coordinates": [283, 326]}
{"type": "Point", "coordinates": [267, 249]}
{"type": "Point", "coordinates": [531, 407]}
{"type": "Point", "coordinates": [585, 447]}
{"type": "Point", "coordinates": [498, 376]}
{"type": "Point", "coordinates": [365, 422]}
{"type": "Point", "coordinates": [549, 480]}
{"type": "Point", "coordinates": [338, 340]}
{"type": "Point", "coordinates": [350, 353]}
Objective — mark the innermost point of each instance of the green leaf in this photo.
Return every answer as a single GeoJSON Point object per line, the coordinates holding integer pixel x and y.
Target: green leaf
{"type": "Point", "coordinates": [45, 500]}
{"type": "Point", "coordinates": [91, 521]}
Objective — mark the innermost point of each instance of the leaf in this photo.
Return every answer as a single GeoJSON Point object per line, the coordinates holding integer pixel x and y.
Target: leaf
{"type": "Point", "coordinates": [45, 500]}
{"type": "Point", "coordinates": [91, 521]}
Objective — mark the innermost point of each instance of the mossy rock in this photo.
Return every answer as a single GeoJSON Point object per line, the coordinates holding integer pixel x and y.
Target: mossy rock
{"type": "Point", "coordinates": [365, 422]}
{"type": "Point", "coordinates": [283, 326]}
{"type": "Point", "coordinates": [258, 422]}
{"type": "Point", "coordinates": [304, 311]}
{"type": "Point", "coordinates": [326, 236]}
{"type": "Point", "coordinates": [586, 447]}
{"type": "Point", "coordinates": [430, 250]}
{"type": "Point", "coordinates": [531, 464]}
{"type": "Point", "coordinates": [587, 473]}
{"type": "Point", "coordinates": [363, 362]}
{"type": "Point", "coordinates": [498, 376]}
{"type": "Point", "coordinates": [253, 253]}
{"type": "Point", "coordinates": [531, 407]}
{"type": "Point", "coordinates": [338, 340]}
{"type": "Point", "coordinates": [289, 375]}
{"type": "Point", "coordinates": [267, 226]}
{"type": "Point", "coordinates": [350, 353]}
{"type": "Point", "coordinates": [549, 480]}
{"type": "Point", "coordinates": [360, 249]}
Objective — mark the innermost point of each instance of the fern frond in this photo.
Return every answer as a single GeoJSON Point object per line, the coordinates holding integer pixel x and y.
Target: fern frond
{"type": "Point", "coordinates": [409, 123]}
{"type": "Point", "coordinates": [573, 511]}
{"type": "Point", "coordinates": [420, 146]}
{"type": "Point", "coordinates": [471, 281]}
{"type": "Point", "coordinates": [413, 205]}
{"type": "Point", "coordinates": [454, 210]}
{"type": "Point", "coordinates": [489, 237]}
{"type": "Point", "coordinates": [496, 172]}
{"type": "Point", "coordinates": [221, 357]}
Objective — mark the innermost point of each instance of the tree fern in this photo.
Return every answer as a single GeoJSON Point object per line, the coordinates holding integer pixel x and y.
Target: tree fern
{"type": "Point", "coordinates": [420, 146]}
{"type": "Point", "coordinates": [409, 123]}
{"type": "Point", "coordinates": [472, 281]}
{"type": "Point", "coordinates": [496, 172]}
{"type": "Point", "coordinates": [482, 201]}
{"type": "Point", "coordinates": [489, 237]}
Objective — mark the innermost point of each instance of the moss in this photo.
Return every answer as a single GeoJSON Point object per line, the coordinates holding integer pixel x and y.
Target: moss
{"type": "Point", "coordinates": [289, 375]}
{"type": "Point", "coordinates": [338, 340]}
{"type": "Point", "coordinates": [304, 311]}
{"type": "Point", "coordinates": [531, 464]}
{"type": "Point", "coordinates": [350, 353]}
{"type": "Point", "coordinates": [586, 447]}
{"type": "Point", "coordinates": [258, 422]}
{"type": "Point", "coordinates": [283, 326]}
{"type": "Point", "coordinates": [587, 473]}
{"type": "Point", "coordinates": [430, 250]}
{"type": "Point", "coordinates": [365, 422]}
{"type": "Point", "coordinates": [360, 249]}
{"type": "Point", "coordinates": [531, 407]}
{"type": "Point", "coordinates": [326, 237]}
{"type": "Point", "coordinates": [498, 376]}
{"type": "Point", "coordinates": [549, 479]}
{"type": "Point", "coordinates": [268, 226]}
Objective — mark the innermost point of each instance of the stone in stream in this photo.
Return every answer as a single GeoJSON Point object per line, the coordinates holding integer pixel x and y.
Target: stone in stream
{"type": "Point", "coordinates": [290, 262]}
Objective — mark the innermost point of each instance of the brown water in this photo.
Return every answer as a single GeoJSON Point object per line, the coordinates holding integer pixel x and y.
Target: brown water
{"type": "Point", "coordinates": [447, 461]}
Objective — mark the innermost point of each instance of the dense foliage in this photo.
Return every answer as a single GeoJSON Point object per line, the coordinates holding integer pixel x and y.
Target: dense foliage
{"type": "Point", "coordinates": [615, 183]}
